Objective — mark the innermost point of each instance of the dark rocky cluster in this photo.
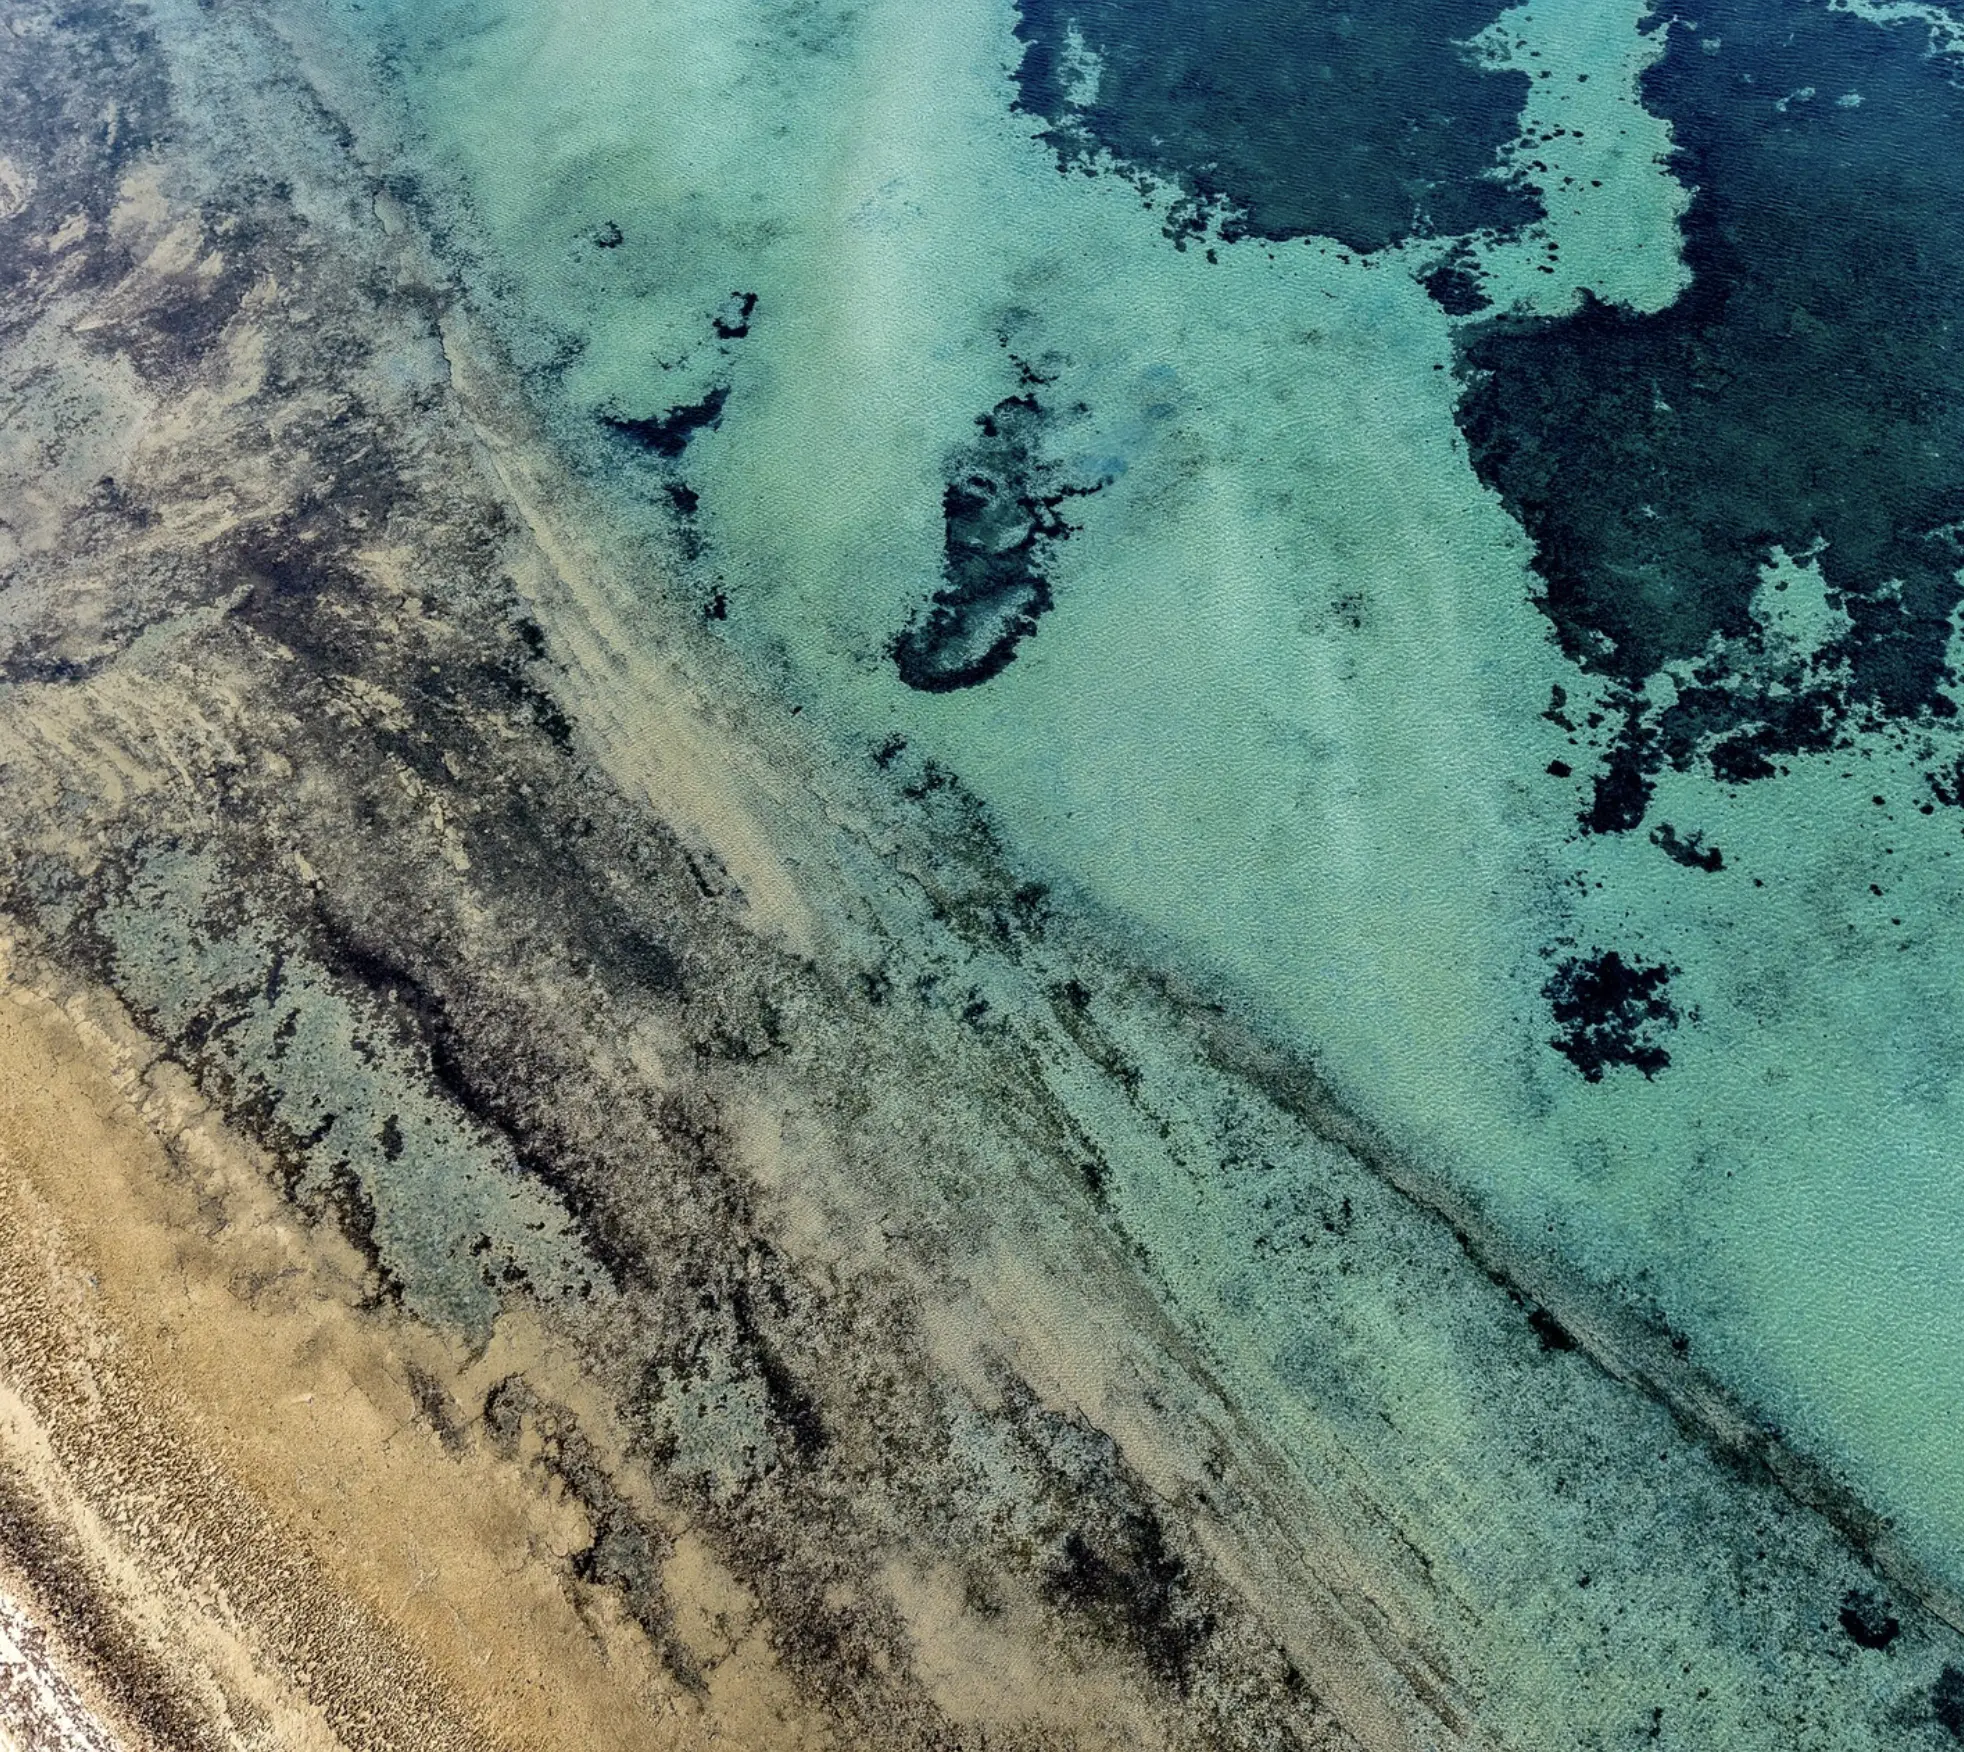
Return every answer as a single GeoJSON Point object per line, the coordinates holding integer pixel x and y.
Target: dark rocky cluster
{"type": "Point", "coordinates": [1002, 517]}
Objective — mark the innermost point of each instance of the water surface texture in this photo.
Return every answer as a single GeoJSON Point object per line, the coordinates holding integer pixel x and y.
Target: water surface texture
{"type": "Point", "coordinates": [950, 875]}
{"type": "Point", "coordinates": [1443, 524]}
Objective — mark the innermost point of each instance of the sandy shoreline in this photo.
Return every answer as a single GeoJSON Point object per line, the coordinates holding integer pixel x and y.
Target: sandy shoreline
{"type": "Point", "coordinates": [886, 1417]}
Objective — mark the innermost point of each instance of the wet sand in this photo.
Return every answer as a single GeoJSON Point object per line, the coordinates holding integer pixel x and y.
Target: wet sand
{"type": "Point", "coordinates": [809, 1355]}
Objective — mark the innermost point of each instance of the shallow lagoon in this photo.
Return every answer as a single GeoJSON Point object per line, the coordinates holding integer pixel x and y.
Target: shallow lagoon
{"type": "Point", "coordinates": [1274, 692]}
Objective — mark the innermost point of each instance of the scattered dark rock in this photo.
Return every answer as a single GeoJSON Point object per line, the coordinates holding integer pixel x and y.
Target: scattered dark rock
{"type": "Point", "coordinates": [627, 1549]}
{"type": "Point", "coordinates": [1610, 1012]}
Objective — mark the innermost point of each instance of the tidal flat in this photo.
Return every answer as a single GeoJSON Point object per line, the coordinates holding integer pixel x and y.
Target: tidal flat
{"type": "Point", "coordinates": [586, 1161]}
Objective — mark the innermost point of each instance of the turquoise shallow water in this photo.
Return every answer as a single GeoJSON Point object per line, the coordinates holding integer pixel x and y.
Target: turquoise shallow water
{"type": "Point", "coordinates": [1169, 533]}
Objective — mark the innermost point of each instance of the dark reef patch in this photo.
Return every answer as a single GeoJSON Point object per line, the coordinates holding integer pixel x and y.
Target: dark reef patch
{"type": "Point", "coordinates": [1689, 850]}
{"type": "Point", "coordinates": [1947, 1701]}
{"type": "Point", "coordinates": [732, 322]}
{"type": "Point", "coordinates": [1001, 515]}
{"type": "Point", "coordinates": [1366, 124]}
{"type": "Point", "coordinates": [1610, 1012]}
{"type": "Point", "coordinates": [1868, 1620]}
{"type": "Point", "coordinates": [1623, 788]}
{"type": "Point", "coordinates": [1454, 283]}
{"type": "Point", "coordinates": [668, 434]}
{"type": "Point", "coordinates": [1132, 1588]}
{"type": "Point", "coordinates": [1801, 394]}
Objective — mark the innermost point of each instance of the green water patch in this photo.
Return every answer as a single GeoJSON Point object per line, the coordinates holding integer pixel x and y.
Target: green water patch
{"type": "Point", "coordinates": [435, 1203]}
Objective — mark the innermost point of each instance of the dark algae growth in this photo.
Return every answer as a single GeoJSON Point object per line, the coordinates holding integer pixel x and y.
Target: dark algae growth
{"type": "Point", "coordinates": [1798, 395]}
{"type": "Point", "coordinates": [1610, 1012]}
{"type": "Point", "coordinates": [1001, 513]}
{"type": "Point", "coordinates": [1362, 123]}
{"type": "Point", "coordinates": [1868, 1622]}
{"type": "Point", "coordinates": [1948, 1701]}
{"type": "Point", "coordinates": [668, 434]}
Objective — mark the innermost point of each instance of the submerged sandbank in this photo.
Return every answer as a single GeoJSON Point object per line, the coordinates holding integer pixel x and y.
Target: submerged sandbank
{"type": "Point", "coordinates": [924, 1340]}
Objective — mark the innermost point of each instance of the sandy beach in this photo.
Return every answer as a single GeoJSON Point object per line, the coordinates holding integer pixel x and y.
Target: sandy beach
{"type": "Point", "coordinates": [541, 1207]}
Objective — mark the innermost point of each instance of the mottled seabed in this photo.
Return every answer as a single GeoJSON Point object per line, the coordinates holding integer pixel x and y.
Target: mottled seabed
{"type": "Point", "coordinates": [548, 1197]}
